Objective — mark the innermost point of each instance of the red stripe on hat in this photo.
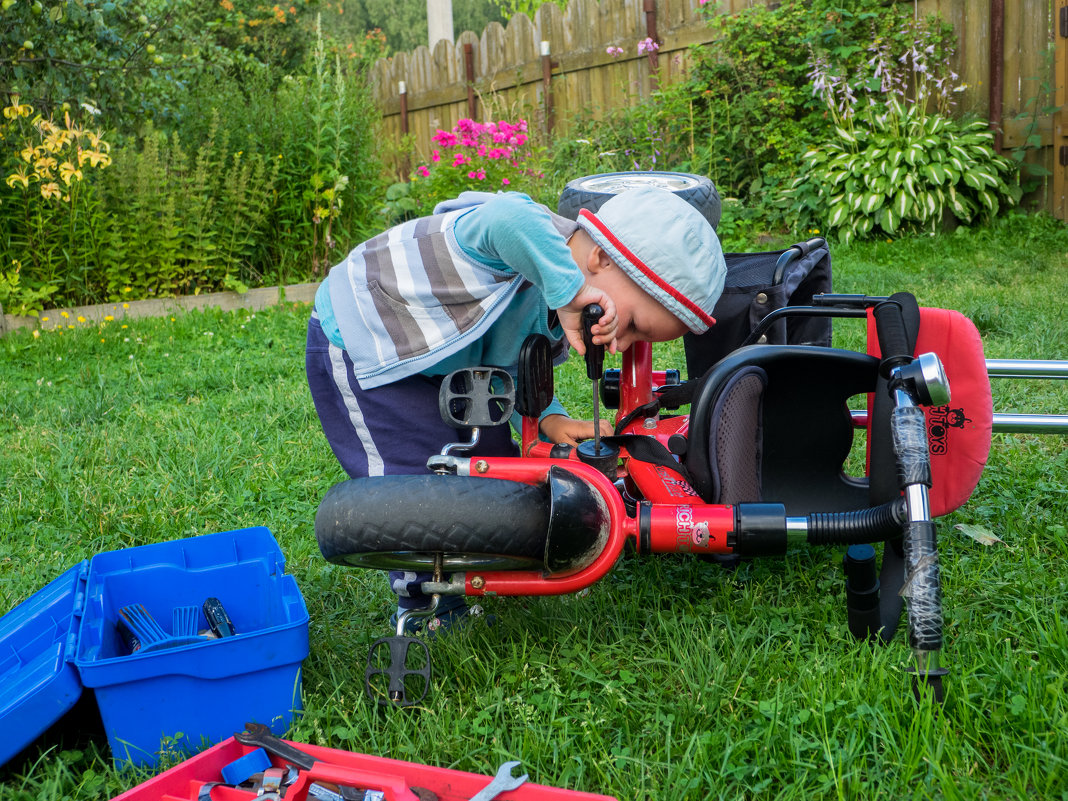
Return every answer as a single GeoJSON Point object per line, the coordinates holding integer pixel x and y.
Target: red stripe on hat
{"type": "Point", "coordinates": [647, 271]}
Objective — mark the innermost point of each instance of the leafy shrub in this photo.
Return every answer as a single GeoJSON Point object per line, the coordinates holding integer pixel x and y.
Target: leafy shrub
{"type": "Point", "coordinates": [190, 222]}
{"type": "Point", "coordinates": [50, 221]}
{"type": "Point", "coordinates": [320, 123]}
{"type": "Point", "coordinates": [896, 159]}
{"type": "Point", "coordinates": [490, 157]}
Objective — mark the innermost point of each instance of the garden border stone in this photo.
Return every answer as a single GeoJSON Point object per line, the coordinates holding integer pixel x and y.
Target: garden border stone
{"type": "Point", "coordinates": [254, 300]}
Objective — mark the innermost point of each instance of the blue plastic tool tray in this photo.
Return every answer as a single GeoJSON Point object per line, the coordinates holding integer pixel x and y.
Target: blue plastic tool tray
{"type": "Point", "coordinates": [65, 637]}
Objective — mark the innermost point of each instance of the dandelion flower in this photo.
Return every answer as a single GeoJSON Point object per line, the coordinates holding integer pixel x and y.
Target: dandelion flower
{"type": "Point", "coordinates": [81, 319]}
{"type": "Point", "coordinates": [36, 334]}
{"type": "Point", "coordinates": [108, 318]}
{"type": "Point", "coordinates": [64, 315]}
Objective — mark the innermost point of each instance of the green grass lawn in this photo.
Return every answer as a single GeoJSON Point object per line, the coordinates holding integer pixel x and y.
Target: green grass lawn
{"type": "Point", "coordinates": [672, 678]}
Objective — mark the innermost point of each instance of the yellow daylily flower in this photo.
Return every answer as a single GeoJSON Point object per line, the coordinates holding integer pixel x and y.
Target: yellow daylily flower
{"type": "Point", "coordinates": [68, 171]}
{"type": "Point", "coordinates": [50, 190]}
{"type": "Point", "coordinates": [95, 159]}
{"type": "Point", "coordinates": [15, 110]}
{"type": "Point", "coordinates": [28, 153]}
{"type": "Point", "coordinates": [18, 177]}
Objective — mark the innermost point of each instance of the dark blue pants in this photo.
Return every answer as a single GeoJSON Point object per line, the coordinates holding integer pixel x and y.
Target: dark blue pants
{"type": "Point", "coordinates": [389, 430]}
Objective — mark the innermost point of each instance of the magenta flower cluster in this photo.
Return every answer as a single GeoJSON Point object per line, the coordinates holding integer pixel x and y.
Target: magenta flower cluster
{"type": "Point", "coordinates": [480, 150]}
{"type": "Point", "coordinates": [491, 140]}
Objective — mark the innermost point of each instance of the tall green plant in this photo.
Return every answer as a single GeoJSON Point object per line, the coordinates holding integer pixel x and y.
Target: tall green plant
{"type": "Point", "coordinates": [897, 159]}
{"type": "Point", "coordinates": [50, 217]}
{"type": "Point", "coordinates": [188, 224]}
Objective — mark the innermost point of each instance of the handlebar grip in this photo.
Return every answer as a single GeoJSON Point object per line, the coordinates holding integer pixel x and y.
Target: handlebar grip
{"type": "Point", "coordinates": [893, 336]}
{"type": "Point", "coordinates": [850, 301]}
{"type": "Point", "coordinates": [594, 353]}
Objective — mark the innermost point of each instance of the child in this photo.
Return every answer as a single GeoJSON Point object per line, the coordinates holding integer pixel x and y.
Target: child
{"type": "Point", "coordinates": [464, 288]}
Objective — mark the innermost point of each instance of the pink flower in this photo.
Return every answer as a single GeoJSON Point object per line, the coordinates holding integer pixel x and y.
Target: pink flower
{"type": "Point", "coordinates": [616, 52]}
{"type": "Point", "coordinates": [445, 138]}
{"type": "Point", "coordinates": [460, 160]}
{"type": "Point", "coordinates": [423, 170]}
{"type": "Point", "coordinates": [435, 156]}
{"type": "Point", "coordinates": [647, 45]}
{"type": "Point", "coordinates": [505, 182]}
{"type": "Point", "coordinates": [477, 174]}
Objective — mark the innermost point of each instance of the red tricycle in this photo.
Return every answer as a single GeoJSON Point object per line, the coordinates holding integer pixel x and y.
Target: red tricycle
{"type": "Point", "coordinates": [756, 465]}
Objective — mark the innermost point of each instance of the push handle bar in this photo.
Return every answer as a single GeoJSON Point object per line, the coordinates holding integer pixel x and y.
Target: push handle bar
{"type": "Point", "coordinates": [893, 338]}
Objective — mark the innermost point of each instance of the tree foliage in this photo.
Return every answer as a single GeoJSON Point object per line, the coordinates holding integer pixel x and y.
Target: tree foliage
{"type": "Point", "coordinates": [136, 59]}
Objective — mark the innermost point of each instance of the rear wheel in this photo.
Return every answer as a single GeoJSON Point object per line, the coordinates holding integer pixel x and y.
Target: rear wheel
{"type": "Point", "coordinates": [403, 522]}
{"type": "Point", "coordinates": [592, 191]}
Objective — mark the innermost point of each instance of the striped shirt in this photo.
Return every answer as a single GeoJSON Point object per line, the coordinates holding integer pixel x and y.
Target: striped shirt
{"type": "Point", "coordinates": [455, 289]}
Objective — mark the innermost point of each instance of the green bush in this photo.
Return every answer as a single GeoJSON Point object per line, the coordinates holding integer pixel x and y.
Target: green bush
{"type": "Point", "coordinates": [190, 222]}
{"type": "Point", "coordinates": [51, 220]}
{"type": "Point", "coordinates": [472, 156]}
{"type": "Point", "coordinates": [253, 176]}
{"type": "Point", "coordinates": [896, 159]}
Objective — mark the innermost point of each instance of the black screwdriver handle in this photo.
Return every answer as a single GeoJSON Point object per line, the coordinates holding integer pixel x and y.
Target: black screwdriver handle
{"type": "Point", "coordinates": [217, 618]}
{"type": "Point", "coordinates": [594, 353]}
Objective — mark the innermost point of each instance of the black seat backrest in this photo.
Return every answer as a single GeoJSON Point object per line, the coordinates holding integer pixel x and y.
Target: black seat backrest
{"type": "Point", "coordinates": [805, 427]}
{"type": "Point", "coordinates": [756, 285]}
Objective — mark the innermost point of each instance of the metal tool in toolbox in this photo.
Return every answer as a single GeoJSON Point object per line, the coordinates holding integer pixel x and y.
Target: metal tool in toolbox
{"type": "Point", "coordinates": [305, 776]}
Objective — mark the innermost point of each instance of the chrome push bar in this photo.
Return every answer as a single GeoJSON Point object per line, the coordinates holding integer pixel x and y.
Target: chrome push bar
{"type": "Point", "coordinates": [1008, 423]}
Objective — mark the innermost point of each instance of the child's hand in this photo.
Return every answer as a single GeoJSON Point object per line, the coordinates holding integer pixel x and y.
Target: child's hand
{"type": "Point", "coordinates": [604, 331]}
{"type": "Point", "coordinates": [559, 429]}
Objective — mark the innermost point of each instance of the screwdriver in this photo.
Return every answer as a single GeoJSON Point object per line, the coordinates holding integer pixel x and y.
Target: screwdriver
{"type": "Point", "coordinates": [594, 366]}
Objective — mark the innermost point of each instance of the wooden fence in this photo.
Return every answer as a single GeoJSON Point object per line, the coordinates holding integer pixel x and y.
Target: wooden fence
{"type": "Point", "coordinates": [505, 71]}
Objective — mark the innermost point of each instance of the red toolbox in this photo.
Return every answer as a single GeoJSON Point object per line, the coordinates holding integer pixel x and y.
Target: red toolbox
{"type": "Point", "coordinates": [392, 778]}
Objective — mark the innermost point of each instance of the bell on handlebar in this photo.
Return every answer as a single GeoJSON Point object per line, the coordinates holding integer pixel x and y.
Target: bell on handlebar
{"type": "Point", "coordinates": [926, 379]}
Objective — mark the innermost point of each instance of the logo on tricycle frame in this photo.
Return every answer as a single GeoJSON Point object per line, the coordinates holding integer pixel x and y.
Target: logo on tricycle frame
{"type": "Point", "coordinates": [689, 532]}
{"type": "Point", "coordinates": [939, 421]}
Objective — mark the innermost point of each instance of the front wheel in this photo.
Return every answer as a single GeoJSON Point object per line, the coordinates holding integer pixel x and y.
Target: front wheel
{"type": "Point", "coordinates": [403, 522]}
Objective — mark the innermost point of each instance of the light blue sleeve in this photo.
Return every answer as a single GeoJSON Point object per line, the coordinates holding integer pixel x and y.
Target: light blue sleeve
{"type": "Point", "coordinates": [511, 231]}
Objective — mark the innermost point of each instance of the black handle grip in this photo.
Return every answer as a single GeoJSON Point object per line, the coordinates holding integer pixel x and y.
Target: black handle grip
{"type": "Point", "coordinates": [893, 336]}
{"type": "Point", "coordinates": [217, 618]}
{"type": "Point", "coordinates": [594, 353]}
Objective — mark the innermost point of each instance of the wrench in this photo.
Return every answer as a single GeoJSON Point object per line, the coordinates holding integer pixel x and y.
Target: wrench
{"type": "Point", "coordinates": [502, 783]}
{"type": "Point", "coordinates": [256, 734]}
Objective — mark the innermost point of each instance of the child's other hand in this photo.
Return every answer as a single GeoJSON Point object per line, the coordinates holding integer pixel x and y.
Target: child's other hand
{"type": "Point", "coordinates": [604, 331]}
{"type": "Point", "coordinates": [560, 429]}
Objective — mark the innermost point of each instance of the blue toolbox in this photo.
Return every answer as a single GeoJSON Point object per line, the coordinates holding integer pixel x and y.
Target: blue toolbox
{"type": "Point", "coordinates": [182, 642]}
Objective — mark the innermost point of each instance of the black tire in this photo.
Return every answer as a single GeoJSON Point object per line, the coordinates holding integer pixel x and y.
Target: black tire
{"type": "Point", "coordinates": [402, 522]}
{"type": "Point", "coordinates": [591, 191]}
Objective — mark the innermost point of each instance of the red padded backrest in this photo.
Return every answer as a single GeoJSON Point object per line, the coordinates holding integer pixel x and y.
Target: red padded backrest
{"type": "Point", "coordinates": [958, 433]}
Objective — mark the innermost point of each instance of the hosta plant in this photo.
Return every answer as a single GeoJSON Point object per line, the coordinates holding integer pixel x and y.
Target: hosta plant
{"type": "Point", "coordinates": [897, 160]}
{"type": "Point", "coordinates": [904, 171]}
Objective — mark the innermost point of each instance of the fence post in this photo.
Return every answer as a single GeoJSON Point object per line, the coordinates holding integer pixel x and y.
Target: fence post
{"type": "Point", "coordinates": [405, 165]}
{"type": "Point", "coordinates": [469, 71]}
{"type": "Point", "coordinates": [649, 7]}
{"type": "Point", "coordinates": [997, 55]}
{"type": "Point", "coordinates": [1059, 202]}
{"type": "Point", "coordinates": [547, 88]}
